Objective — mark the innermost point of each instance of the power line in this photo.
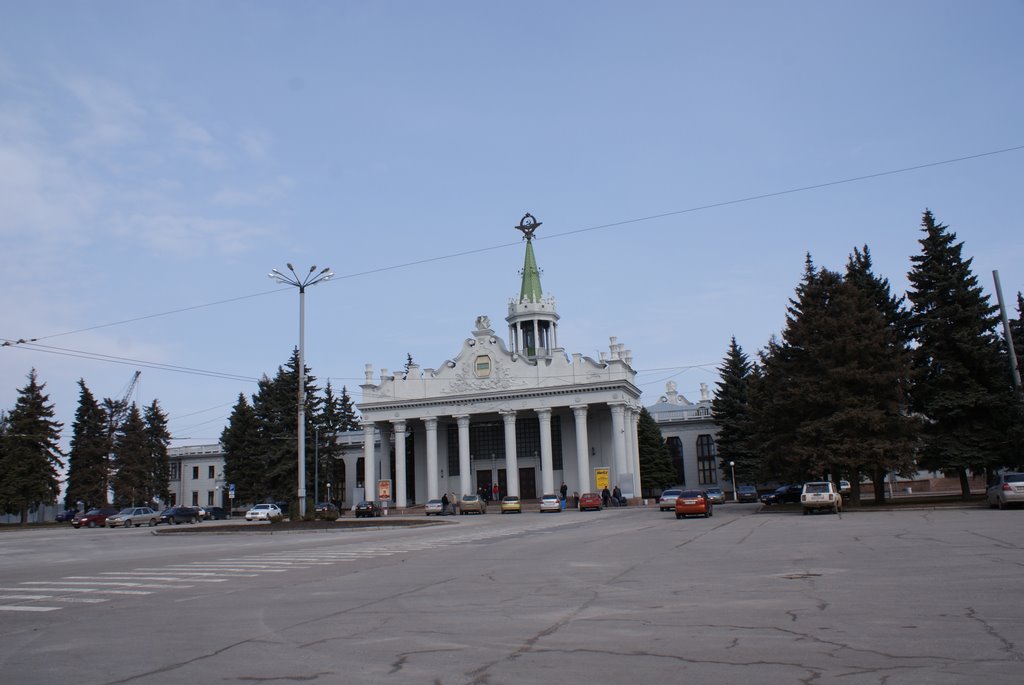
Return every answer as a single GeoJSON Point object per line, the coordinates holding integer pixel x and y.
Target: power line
{"type": "Point", "coordinates": [30, 343]}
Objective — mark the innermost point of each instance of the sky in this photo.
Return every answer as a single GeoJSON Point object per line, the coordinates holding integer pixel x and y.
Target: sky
{"type": "Point", "coordinates": [157, 160]}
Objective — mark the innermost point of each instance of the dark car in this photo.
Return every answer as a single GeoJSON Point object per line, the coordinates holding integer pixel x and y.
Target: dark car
{"type": "Point", "coordinates": [216, 513]}
{"type": "Point", "coordinates": [746, 493]}
{"type": "Point", "coordinates": [368, 509]}
{"type": "Point", "coordinates": [178, 515]}
{"type": "Point", "coordinates": [66, 515]}
{"type": "Point", "coordinates": [787, 494]}
{"type": "Point", "coordinates": [94, 518]}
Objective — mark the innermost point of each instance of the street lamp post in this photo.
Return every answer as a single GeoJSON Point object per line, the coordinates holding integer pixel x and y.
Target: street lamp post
{"type": "Point", "coordinates": [302, 283]}
{"type": "Point", "coordinates": [732, 466]}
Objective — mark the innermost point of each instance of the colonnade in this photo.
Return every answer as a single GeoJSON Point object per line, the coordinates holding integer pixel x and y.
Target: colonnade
{"type": "Point", "coordinates": [625, 461]}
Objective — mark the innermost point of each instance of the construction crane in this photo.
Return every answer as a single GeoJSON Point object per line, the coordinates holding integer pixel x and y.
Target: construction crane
{"type": "Point", "coordinates": [118, 409]}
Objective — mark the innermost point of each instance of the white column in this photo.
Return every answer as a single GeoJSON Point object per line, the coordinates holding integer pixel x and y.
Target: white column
{"type": "Point", "coordinates": [465, 474]}
{"type": "Point", "coordinates": [635, 434]}
{"type": "Point", "coordinates": [348, 497]}
{"type": "Point", "coordinates": [582, 449]}
{"type": "Point", "coordinates": [547, 476]}
{"type": "Point", "coordinates": [511, 459]}
{"type": "Point", "coordinates": [369, 462]}
{"type": "Point", "coordinates": [384, 454]}
{"type": "Point", "coordinates": [400, 474]}
{"type": "Point", "coordinates": [618, 441]}
{"type": "Point", "coordinates": [431, 424]}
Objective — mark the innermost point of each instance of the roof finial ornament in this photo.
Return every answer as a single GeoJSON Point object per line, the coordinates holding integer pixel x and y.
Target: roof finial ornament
{"type": "Point", "coordinates": [528, 224]}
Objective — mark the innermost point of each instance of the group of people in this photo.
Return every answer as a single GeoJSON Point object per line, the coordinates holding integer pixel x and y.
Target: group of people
{"type": "Point", "coordinates": [448, 503]}
{"type": "Point", "coordinates": [612, 498]}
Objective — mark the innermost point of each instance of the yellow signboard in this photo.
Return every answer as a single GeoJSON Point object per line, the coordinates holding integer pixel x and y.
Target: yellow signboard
{"type": "Point", "coordinates": [601, 478]}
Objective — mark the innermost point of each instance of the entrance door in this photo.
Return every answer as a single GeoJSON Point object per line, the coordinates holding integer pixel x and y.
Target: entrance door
{"type": "Point", "coordinates": [527, 483]}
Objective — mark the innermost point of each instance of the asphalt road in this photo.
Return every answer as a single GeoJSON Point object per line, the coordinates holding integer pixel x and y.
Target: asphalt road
{"type": "Point", "coordinates": [618, 596]}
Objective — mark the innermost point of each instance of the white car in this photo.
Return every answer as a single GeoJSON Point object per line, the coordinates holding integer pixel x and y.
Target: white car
{"type": "Point", "coordinates": [1007, 490]}
{"type": "Point", "coordinates": [133, 516]}
{"type": "Point", "coordinates": [264, 512]}
{"type": "Point", "coordinates": [435, 507]}
{"type": "Point", "coordinates": [550, 503]}
{"type": "Point", "coordinates": [821, 495]}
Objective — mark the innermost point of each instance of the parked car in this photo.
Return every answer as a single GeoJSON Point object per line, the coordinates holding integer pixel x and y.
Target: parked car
{"type": "Point", "coordinates": [668, 499]}
{"type": "Point", "coordinates": [133, 516]}
{"type": "Point", "coordinates": [844, 487]}
{"type": "Point", "coordinates": [264, 512]}
{"type": "Point", "coordinates": [176, 515]}
{"type": "Point", "coordinates": [818, 495]}
{"type": "Point", "coordinates": [716, 495]}
{"type": "Point", "coordinates": [550, 502]}
{"type": "Point", "coordinates": [93, 518]}
{"type": "Point", "coordinates": [746, 493]}
{"type": "Point", "coordinates": [510, 504]}
{"type": "Point", "coordinates": [367, 509]}
{"type": "Point", "coordinates": [472, 504]}
{"type": "Point", "coordinates": [216, 513]}
{"type": "Point", "coordinates": [693, 503]}
{"type": "Point", "coordinates": [590, 500]}
{"type": "Point", "coordinates": [787, 494]}
{"type": "Point", "coordinates": [1007, 490]}
{"type": "Point", "coordinates": [434, 507]}
{"type": "Point", "coordinates": [67, 515]}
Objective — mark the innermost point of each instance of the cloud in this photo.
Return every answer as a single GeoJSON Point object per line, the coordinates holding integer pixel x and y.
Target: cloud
{"type": "Point", "coordinates": [255, 143]}
{"type": "Point", "coordinates": [42, 198]}
{"type": "Point", "coordinates": [262, 194]}
{"type": "Point", "coordinates": [114, 117]}
{"type": "Point", "coordinates": [188, 235]}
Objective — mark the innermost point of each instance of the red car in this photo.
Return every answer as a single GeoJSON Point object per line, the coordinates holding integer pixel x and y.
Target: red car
{"type": "Point", "coordinates": [693, 503]}
{"type": "Point", "coordinates": [94, 518]}
{"type": "Point", "coordinates": [590, 500]}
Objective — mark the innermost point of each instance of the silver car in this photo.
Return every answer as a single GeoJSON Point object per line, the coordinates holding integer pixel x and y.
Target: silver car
{"type": "Point", "coordinates": [133, 516]}
{"type": "Point", "coordinates": [550, 503]}
{"type": "Point", "coordinates": [1006, 491]}
{"type": "Point", "coordinates": [667, 501]}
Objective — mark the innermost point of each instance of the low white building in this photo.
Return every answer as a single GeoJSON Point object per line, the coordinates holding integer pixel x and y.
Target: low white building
{"type": "Point", "coordinates": [689, 432]}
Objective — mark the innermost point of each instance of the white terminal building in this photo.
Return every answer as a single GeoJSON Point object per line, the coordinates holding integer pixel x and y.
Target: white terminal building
{"type": "Point", "coordinates": [525, 416]}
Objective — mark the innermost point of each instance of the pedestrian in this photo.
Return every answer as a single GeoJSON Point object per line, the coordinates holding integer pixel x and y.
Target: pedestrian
{"type": "Point", "coordinates": [444, 504]}
{"type": "Point", "coordinates": [617, 496]}
{"type": "Point", "coordinates": [606, 496]}
{"type": "Point", "coordinates": [564, 490]}
{"type": "Point", "coordinates": [495, 491]}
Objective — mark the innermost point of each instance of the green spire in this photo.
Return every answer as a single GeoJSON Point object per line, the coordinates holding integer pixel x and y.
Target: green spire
{"type": "Point", "coordinates": [531, 291]}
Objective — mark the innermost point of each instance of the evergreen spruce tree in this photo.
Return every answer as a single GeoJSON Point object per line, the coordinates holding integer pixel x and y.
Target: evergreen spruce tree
{"type": "Point", "coordinates": [244, 455]}
{"type": "Point", "coordinates": [891, 438]}
{"type": "Point", "coordinates": [275, 408]}
{"type": "Point", "coordinates": [732, 417]}
{"type": "Point", "coordinates": [132, 480]}
{"type": "Point", "coordinates": [30, 458]}
{"type": "Point", "coordinates": [157, 440]}
{"type": "Point", "coordinates": [656, 470]}
{"type": "Point", "coordinates": [960, 381]}
{"type": "Point", "coordinates": [349, 418]}
{"type": "Point", "coordinates": [330, 423]}
{"type": "Point", "coordinates": [87, 458]}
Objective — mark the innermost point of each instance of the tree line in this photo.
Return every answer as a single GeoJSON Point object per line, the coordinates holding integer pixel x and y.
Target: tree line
{"type": "Point", "coordinates": [118, 453]}
{"type": "Point", "coordinates": [863, 383]}
{"type": "Point", "coordinates": [115, 447]}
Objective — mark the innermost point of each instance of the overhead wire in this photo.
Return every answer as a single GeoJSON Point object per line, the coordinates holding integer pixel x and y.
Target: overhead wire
{"type": "Point", "coordinates": [29, 343]}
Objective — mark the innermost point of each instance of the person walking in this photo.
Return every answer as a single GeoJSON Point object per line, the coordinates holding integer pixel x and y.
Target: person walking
{"type": "Point", "coordinates": [444, 504]}
{"type": "Point", "coordinates": [606, 496]}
